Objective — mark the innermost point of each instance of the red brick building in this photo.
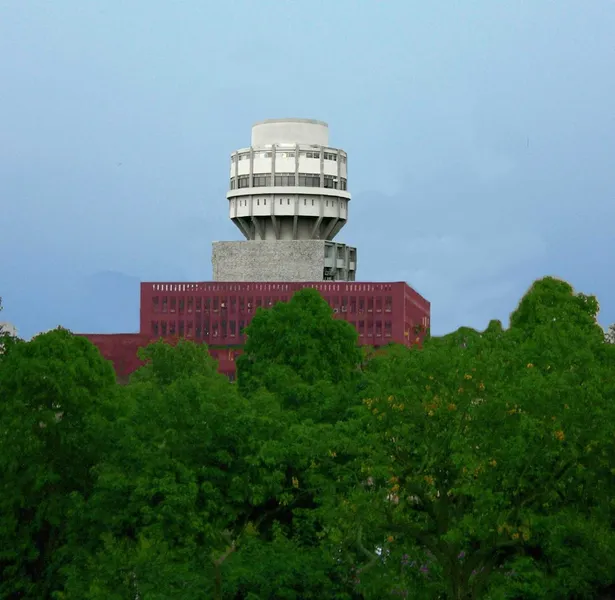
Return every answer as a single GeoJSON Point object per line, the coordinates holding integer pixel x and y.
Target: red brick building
{"type": "Point", "coordinates": [216, 313]}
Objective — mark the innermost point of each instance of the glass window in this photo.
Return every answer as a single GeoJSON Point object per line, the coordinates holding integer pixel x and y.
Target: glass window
{"type": "Point", "coordinates": [243, 181]}
{"type": "Point", "coordinates": [309, 180]}
{"type": "Point", "coordinates": [330, 182]}
{"type": "Point", "coordinates": [261, 180]}
{"type": "Point", "coordinates": [285, 179]}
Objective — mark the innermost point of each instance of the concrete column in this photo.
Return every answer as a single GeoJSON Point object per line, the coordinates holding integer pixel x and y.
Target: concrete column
{"type": "Point", "coordinates": [339, 171]}
{"type": "Point", "coordinates": [251, 170]}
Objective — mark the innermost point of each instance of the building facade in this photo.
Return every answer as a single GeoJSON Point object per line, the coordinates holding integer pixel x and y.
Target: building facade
{"type": "Point", "coordinates": [216, 314]}
{"type": "Point", "coordinates": [288, 196]}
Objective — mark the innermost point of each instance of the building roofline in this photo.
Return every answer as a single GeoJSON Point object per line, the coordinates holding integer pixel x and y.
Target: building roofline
{"type": "Point", "coordinates": [290, 120]}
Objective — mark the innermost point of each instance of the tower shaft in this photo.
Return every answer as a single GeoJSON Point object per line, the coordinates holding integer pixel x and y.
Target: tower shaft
{"type": "Point", "coordinates": [289, 184]}
{"type": "Point", "coordinates": [289, 198]}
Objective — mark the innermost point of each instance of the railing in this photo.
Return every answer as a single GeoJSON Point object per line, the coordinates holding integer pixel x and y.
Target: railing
{"type": "Point", "coordinates": [350, 287]}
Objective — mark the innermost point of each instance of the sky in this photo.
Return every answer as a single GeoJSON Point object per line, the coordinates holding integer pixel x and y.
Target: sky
{"type": "Point", "coordinates": [480, 136]}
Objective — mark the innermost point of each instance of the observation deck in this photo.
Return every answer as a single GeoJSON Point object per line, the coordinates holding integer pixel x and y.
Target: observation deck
{"type": "Point", "coordinates": [289, 184]}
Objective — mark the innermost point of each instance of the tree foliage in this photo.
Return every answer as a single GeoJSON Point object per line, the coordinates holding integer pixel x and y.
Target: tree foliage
{"type": "Point", "coordinates": [490, 459]}
{"type": "Point", "coordinates": [55, 393]}
{"type": "Point", "coordinates": [167, 499]}
{"type": "Point", "coordinates": [480, 466]}
{"type": "Point", "coordinates": [297, 339]}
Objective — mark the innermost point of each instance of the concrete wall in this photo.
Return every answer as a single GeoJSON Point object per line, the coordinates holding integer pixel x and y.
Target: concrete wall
{"type": "Point", "coordinates": [296, 260]}
{"type": "Point", "coordinates": [290, 131]}
{"type": "Point", "coordinates": [268, 214]}
{"type": "Point", "coordinates": [300, 260]}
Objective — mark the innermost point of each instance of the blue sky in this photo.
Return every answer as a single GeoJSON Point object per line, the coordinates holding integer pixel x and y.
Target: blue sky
{"type": "Point", "coordinates": [481, 142]}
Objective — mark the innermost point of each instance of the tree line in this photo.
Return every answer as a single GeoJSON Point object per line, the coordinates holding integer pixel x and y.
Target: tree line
{"type": "Point", "coordinates": [480, 466]}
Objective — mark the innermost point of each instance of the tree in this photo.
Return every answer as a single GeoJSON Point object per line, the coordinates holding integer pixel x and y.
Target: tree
{"type": "Point", "coordinates": [299, 352]}
{"type": "Point", "coordinates": [609, 335]}
{"type": "Point", "coordinates": [169, 503]}
{"type": "Point", "coordinates": [301, 367]}
{"type": "Point", "coordinates": [477, 467]}
{"type": "Point", "coordinates": [202, 494]}
{"type": "Point", "coordinates": [302, 335]}
{"type": "Point", "coordinates": [488, 457]}
{"type": "Point", "coordinates": [55, 390]}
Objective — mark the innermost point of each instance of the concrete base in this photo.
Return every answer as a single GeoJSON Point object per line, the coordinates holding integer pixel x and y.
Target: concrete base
{"type": "Point", "coordinates": [297, 260]}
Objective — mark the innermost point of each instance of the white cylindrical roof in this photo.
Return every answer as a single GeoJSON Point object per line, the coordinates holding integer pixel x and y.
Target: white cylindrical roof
{"type": "Point", "coordinates": [290, 131]}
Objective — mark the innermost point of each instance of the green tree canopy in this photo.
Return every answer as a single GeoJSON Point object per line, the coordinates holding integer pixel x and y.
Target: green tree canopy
{"type": "Point", "coordinates": [477, 467]}
{"type": "Point", "coordinates": [168, 500]}
{"type": "Point", "coordinates": [489, 458]}
{"type": "Point", "coordinates": [54, 392]}
{"type": "Point", "coordinates": [302, 336]}
{"type": "Point", "coordinates": [304, 365]}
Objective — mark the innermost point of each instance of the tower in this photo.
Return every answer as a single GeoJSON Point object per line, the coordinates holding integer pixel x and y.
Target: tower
{"type": "Point", "coordinates": [288, 196]}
